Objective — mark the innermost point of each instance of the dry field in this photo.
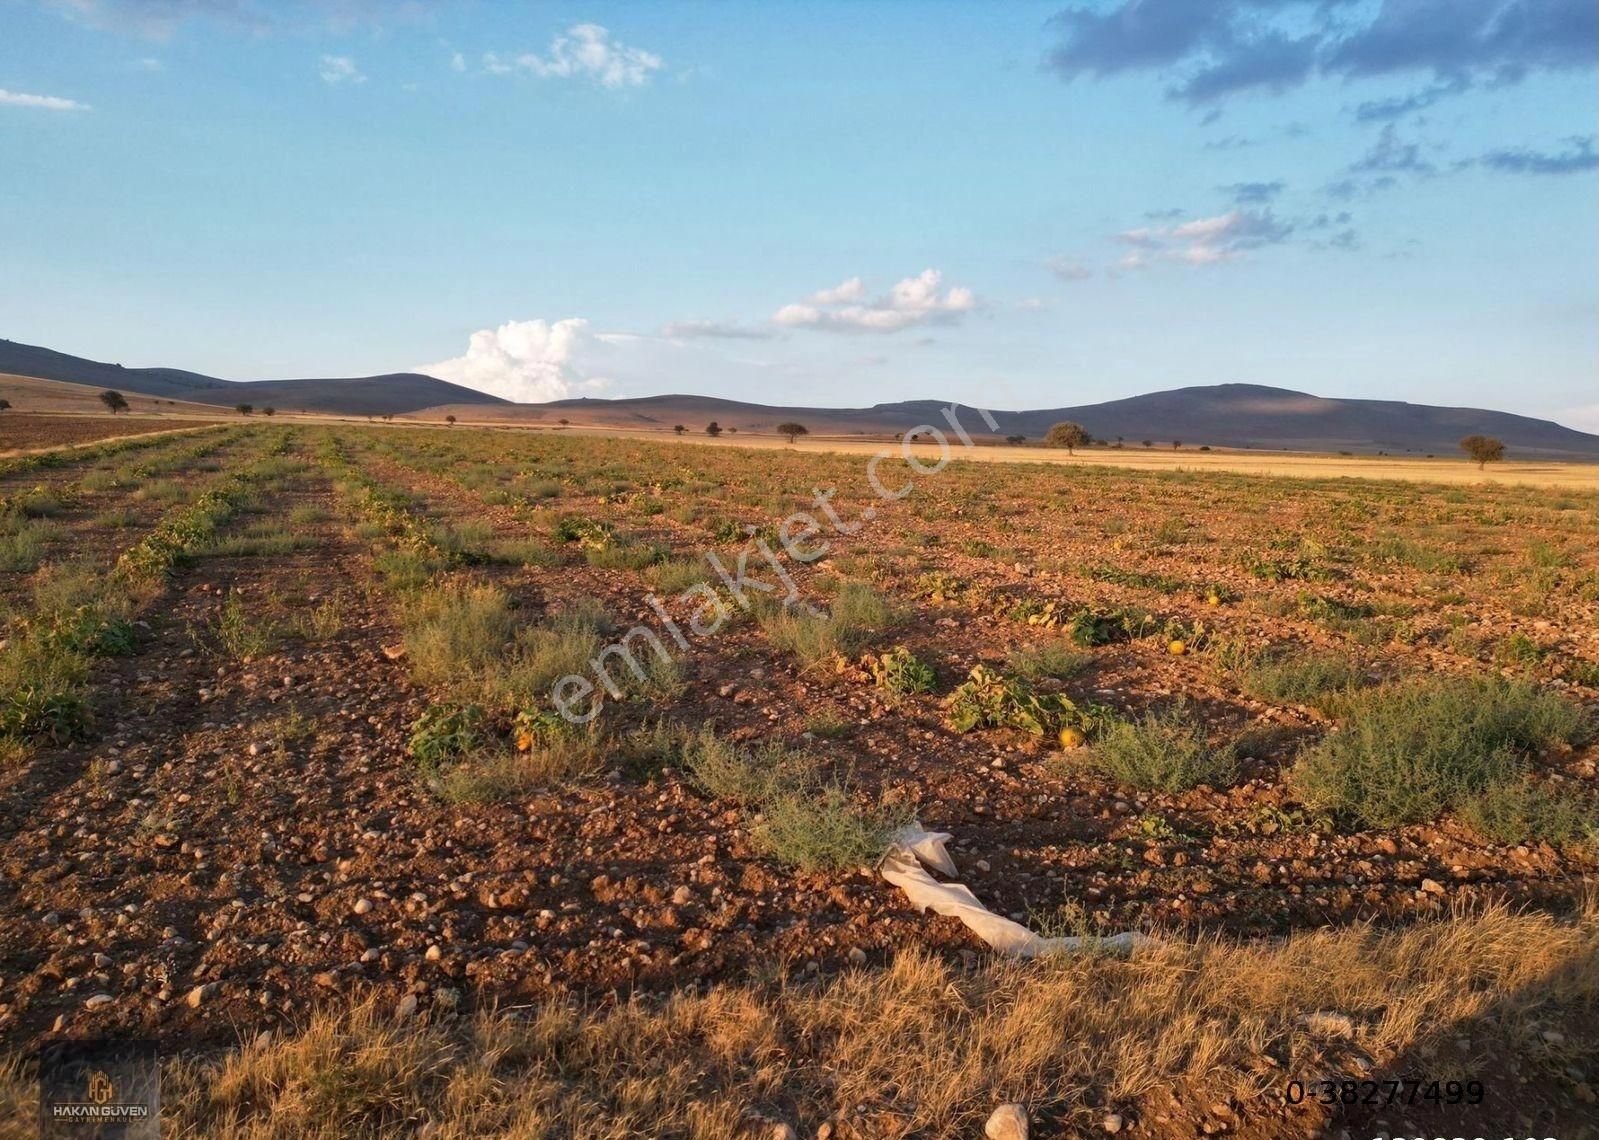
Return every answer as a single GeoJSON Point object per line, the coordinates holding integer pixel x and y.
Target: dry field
{"type": "Point", "coordinates": [22, 433]}
{"type": "Point", "coordinates": [283, 785]}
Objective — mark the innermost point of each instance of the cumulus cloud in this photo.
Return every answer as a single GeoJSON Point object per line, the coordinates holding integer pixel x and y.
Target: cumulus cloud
{"type": "Point", "coordinates": [725, 330]}
{"type": "Point", "coordinates": [583, 51]}
{"type": "Point", "coordinates": [526, 361]}
{"type": "Point", "coordinates": [1204, 241]}
{"type": "Point", "coordinates": [337, 69]}
{"type": "Point", "coordinates": [852, 290]}
{"type": "Point", "coordinates": [1213, 50]}
{"type": "Point", "coordinates": [39, 102]}
{"type": "Point", "coordinates": [914, 301]}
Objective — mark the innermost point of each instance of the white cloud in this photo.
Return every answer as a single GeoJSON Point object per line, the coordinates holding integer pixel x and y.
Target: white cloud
{"type": "Point", "coordinates": [526, 361]}
{"type": "Point", "coordinates": [457, 61]}
{"type": "Point", "coordinates": [852, 290]}
{"type": "Point", "coordinates": [1204, 241]}
{"type": "Point", "coordinates": [40, 102]}
{"type": "Point", "coordinates": [337, 69]}
{"type": "Point", "coordinates": [583, 51]}
{"type": "Point", "coordinates": [1032, 305]}
{"type": "Point", "coordinates": [911, 302]}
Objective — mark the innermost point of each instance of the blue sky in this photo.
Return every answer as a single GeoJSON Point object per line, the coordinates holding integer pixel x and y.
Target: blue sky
{"type": "Point", "coordinates": [1017, 205]}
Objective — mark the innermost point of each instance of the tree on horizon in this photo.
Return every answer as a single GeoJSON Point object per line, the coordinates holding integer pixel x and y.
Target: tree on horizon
{"type": "Point", "coordinates": [1483, 449]}
{"type": "Point", "coordinates": [1069, 435]}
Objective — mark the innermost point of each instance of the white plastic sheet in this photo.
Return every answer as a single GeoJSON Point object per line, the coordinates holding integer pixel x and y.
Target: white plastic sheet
{"type": "Point", "coordinates": [906, 866]}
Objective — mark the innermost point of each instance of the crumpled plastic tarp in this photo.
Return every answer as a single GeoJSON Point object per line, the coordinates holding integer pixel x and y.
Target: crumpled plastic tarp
{"type": "Point", "coordinates": [913, 851]}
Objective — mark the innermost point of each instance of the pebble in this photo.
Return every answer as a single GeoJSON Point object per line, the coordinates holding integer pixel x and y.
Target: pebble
{"type": "Point", "coordinates": [1113, 1122]}
{"type": "Point", "coordinates": [201, 994]}
{"type": "Point", "coordinates": [406, 1008]}
{"type": "Point", "coordinates": [1431, 887]}
{"type": "Point", "coordinates": [1008, 1122]}
{"type": "Point", "coordinates": [96, 1001]}
{"type": "Point", "coordinates": [363, 906]}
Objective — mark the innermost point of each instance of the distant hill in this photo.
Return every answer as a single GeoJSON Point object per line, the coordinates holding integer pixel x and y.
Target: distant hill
{"type": "Point", "coordinates": [1222, 415]}
{"type": "Point", "coordinates": [393, 394]}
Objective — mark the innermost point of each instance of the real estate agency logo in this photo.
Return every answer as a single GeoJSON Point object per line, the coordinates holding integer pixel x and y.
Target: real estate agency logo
{"type": "Point", "coordinates": [104, 1089]}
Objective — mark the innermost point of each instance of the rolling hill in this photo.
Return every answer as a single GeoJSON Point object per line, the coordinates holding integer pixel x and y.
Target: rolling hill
{"type": "Point", "coordinates": [1221, 415]}
{"type": "Point", "coordinates": [393, 394]}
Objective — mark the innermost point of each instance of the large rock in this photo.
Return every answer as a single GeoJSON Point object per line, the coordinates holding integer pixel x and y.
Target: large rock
{"type": "Point", "coordinates": [1008, 1122]}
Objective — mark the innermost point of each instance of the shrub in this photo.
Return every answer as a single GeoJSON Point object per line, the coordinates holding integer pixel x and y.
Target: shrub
{"type": "Point", "coordinates": [1524, 812]}
{"type": "Point", "coordinates": [1165, 751]}
{"type": "Point", "coordinates": [858, 612]}
{"type": "Point", "coordinates": [496, 776]}
{"type": "Point", "coordinates": [1407, 751]}
{"type": "Point", "coordinates": [455, 632]}
{"type": "Point", "coordinates": [797, 815]}
{"type": "Point", "coordinates": [1305, 675]}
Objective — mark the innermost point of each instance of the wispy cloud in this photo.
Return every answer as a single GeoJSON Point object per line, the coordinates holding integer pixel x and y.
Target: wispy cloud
{"type": "Point", "coordinates": [1220, 48]}
{"type": "Point", "coordinates": [1068, 268]}
{"type": "Point", "coordinates": [339, 69]}
{"type": "Point", "coordinates": [1578, 157]}
{"type": "Point", "coordinates": [1204, 241]}
{"type": "Point", "coordinates": [724, 330]}
{"type": "Point", "coordinates": [39, 102]}
{"type": "Point", "coordinates": [1253, 193]}
{"type": "Point", "coordinates": [583, 51]}
{"type": "Point", "coordinates": [919, 300]}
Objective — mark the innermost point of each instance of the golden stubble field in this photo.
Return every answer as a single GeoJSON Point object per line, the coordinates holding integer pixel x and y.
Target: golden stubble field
{"type": "Point", "coordinates": [284, 766]}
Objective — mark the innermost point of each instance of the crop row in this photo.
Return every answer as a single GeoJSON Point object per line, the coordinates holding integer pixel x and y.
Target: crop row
{"type": "Point", "coordinates": [80, 614]}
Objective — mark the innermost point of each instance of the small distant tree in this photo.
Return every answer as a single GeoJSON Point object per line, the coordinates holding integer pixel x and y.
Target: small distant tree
{"type": "Point", "coordinates": [5, 405]}
{"type": "Point", "coordinates": [713, 428]}
{"type": "Point", "coordinates": [1068, 435]}
{"type": "Point", "coordinates": [792, 430]}
{"type": "Point", "coordinates": [563, 423]}
{"type": "Point", "coordinates": [244, 409]}
{"type": "Point", "coordinates": [388, 418]}
{"type": "Point", "coordinates": [450, 420]}
{"type": "Point", "coordinates": [1013, 440]}
{"type": "Point", "coordinates": [731, 430]}
{"type": "Point", "coordinates": [679, 428]}
{"type": "Point", "coordinates": [1149, 443]}
{"type": "Point", "coordinates": [269, 410]}
{"type": "Point", "coordinates": [1176, 443]}
{"type": "Point", "coordinates": [1483, 449]}
{"type": "Point", "coordinates": [114, 400]}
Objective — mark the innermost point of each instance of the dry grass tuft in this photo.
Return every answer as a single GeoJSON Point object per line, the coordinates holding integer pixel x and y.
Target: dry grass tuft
{"type": "Point", "coordinates": [919, 1047]}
